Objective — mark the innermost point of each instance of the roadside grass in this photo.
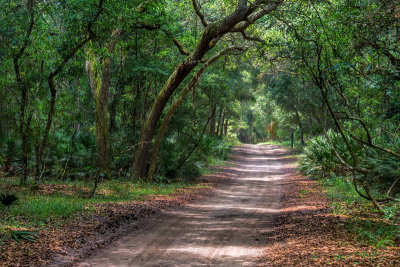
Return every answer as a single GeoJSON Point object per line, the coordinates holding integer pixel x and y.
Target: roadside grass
{"type": "Point", "coordinates": [221, 159]}
{"type": "Point", "coordinates": [55, 202]}
{"type": "Point", "coordinates": [213, 162]}
{"type": "Point", "coordinates": [362, 220]}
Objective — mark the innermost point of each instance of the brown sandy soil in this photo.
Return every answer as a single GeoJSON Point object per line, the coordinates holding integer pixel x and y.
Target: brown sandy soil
{"type": "Point", "coordinates": [228, 229]}
{"type": "Point", "coordinates": [62, 245]}
{"type": "Point", "coordinates": [262, 213]}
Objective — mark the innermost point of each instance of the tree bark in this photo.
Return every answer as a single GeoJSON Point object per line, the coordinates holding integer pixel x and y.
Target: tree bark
{"type": "Point", "coordinates": [212, 120]}
{"type": "Point", "coordinates": [300, 128]}
{"type": "Point", "coordinates": [243, 16]}
{"type": "Point", "coordinates": [175, 105]}
{"type": "Point", "coordinates": [220, 118]}
{"type": "Point", "coordinates": [226, 127]}
{"type": "Point", "coordinates": [291, 140]}
{"type": "Point", "coordinates": [99, 88]}
{"type": "Point", "coordinates": [100, 82]}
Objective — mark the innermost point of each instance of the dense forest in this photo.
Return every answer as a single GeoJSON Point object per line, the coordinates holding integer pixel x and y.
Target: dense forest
{"type": "Point", "coordinates": [155, 91]}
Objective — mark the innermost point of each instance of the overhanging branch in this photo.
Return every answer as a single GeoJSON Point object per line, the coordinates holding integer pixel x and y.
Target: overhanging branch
{"type": "Point", "coordinates": [180, 47]}
{"type": "Point", "coordinates": [199, 14]}
{"type": "Point", "coordinates": [251, 38]}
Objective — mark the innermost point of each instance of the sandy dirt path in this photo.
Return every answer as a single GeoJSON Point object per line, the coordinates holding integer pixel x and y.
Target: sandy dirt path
{"type": "Point", "coordinates": [229, 228]}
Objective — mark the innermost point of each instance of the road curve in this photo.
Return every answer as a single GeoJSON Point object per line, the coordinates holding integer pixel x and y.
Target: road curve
{"type": "Point", "coordinates": [229, 228]}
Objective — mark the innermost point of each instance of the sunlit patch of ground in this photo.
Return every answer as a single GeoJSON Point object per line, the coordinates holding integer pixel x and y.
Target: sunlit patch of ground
{"type": "Point", "coordinates": [308, 234]}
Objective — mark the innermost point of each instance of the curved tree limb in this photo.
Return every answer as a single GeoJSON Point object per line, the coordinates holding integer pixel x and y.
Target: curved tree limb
{"type": "Point", "coordinates": [250, 38]}
{"type": "Point", "coordinates": [243, 16]}
{"type": "Point", "coordinates": [197, 7]}
{"type": "Point", "coordinates": [180, 47]}
{"type": "Point", "coordinates": [177, 103]}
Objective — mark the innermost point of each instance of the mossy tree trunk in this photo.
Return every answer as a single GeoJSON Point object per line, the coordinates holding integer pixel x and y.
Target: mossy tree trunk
{"type": "Point", "coordinates": [238, 21]}
{"type": "Point", "coordinates": [99, 71]}
{"type": "Point", "coordinates": [175, 105]}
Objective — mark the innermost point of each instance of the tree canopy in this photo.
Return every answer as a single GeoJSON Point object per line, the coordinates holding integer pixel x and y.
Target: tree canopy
{"type": "Point", "coordinates": [149, 89]}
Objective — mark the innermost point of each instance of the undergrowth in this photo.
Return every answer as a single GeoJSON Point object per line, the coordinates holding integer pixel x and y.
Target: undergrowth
{"type": "Point", "coordinates": [368, 227]}
{"type": "Point", "coordinates": [56, 202]}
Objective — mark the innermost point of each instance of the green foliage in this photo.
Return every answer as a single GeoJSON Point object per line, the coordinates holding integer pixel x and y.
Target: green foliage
{"type": "Point", "coordinates": [18, 236]}
{"type": "Point", "coordinates": [174, 154]}
{"type": "Point", "coordinates": [319, 158]}
{"type": "Point", "coordinates": [377, 234]}
{"type": "Point", "coordinates": [368, 231]}
{"type": "Point", "coordinates": [40, 209]}
{"type": "Point", "coordinates": [319, 66]}
{"type": "Point", "coordinates": [62, 200]}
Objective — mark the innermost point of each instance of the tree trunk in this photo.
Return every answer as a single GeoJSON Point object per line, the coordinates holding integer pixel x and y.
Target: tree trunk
{"type": "Point", "coordinates": [99, 87]}
{"type": "Point", "coordinates": [221, 131]}
{"type": "Point", "coordinates": [292, 140]}
{"type": "Point", "coordinates": [219, 125]}
{"type": "Point", "coordinates": [174, 106]}
{"type": "Point", "coordinates": [212, 120]}
{"type": "Point", "coordinates": [24, 132]}
{"type": "Point", "coordinates": [243, 16]}
{"type": "Point", "coordinates": [226, 127]}
{"type": "Point", "coordinates": [77, 124]}
{"type": "Point", "coordinates": [300, 128]}
{"type": "Point", "coordinates": [99, 84]}
{"type": "Point", "coordinates": [301, 136]}
{"type": "Point", "coordinates": [24, 125]}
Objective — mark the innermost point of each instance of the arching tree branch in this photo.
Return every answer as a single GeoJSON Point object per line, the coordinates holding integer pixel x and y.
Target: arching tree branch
{"type": "Point", "coordinates": [197, 7]}
{"type": "Point", "coordinates": [176, 42]}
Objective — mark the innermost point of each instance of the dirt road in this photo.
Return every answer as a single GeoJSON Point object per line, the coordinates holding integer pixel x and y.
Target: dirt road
{"type": "Point", "coordinates": [229, 228]}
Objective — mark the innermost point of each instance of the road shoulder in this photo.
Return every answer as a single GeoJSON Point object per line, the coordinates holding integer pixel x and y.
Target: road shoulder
{"type": "Point", "coordinates": [308, 233]}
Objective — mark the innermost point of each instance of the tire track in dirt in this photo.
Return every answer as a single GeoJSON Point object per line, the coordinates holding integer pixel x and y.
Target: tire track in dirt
{"type": "Point", "coordinates": [229, 228]}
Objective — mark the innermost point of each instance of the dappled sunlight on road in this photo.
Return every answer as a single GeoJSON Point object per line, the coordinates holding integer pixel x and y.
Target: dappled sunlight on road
{"type": "Point", "coordinates": [230, 228]}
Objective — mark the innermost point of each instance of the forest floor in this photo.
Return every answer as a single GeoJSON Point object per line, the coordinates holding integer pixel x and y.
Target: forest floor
{"type": "Point", "coordinates": [310, 231]}
{"type": "Point", "coordinates": [69, 226]}
{"type": "Point", "coordinates": [257, 212]}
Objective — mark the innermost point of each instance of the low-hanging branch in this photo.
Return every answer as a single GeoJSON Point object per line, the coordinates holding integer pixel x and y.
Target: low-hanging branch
{"type": "Point", "coordinates": [176, 42]}
{"type": "Point", "coordinates": [250, 38]}
{"type": "Point", "coordinates": [176, 104]}
{"type": "Point", "coordinates": [197, 7]}
{"type": "Point", "coordinates": [242, 17]}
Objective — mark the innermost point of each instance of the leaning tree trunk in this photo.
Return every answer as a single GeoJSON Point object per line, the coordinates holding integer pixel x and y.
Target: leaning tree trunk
{"type": "Point", "coordinates": [238, 21]}
{"type": "Point", "coordinates": [174, 106]}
